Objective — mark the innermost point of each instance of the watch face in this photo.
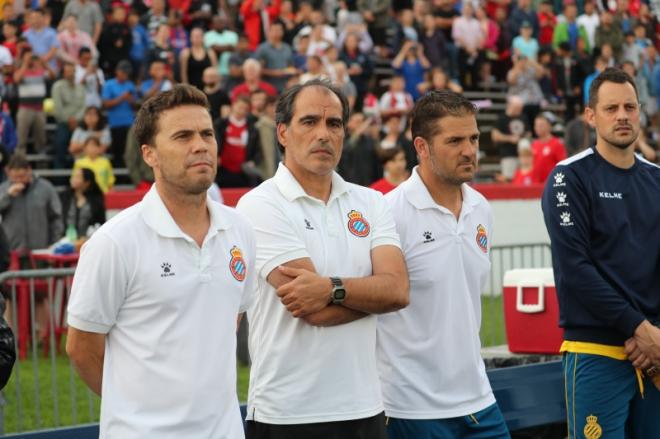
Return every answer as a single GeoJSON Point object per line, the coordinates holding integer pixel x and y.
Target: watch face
{"type": "Point", "coordinates": [339, 294]}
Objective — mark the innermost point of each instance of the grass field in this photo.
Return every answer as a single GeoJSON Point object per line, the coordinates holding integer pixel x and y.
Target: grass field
{"type": "Point", "coordinates": [76, 405]}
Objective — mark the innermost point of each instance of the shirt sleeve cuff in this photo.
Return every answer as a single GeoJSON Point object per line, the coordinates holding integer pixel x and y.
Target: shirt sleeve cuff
{"type": "Point", "coordinates": [85, 325]}
{"type": "Point", "coordinates": [629, 321]}
{"type": "Point", "coordinates": [282, 259]}
{"type": "Point", "coordinates": [385, 240]}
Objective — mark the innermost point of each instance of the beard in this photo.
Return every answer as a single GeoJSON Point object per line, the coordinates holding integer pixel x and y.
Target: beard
{"type": "Point", "coordinates": [621, 143]}
{"type": "Point", "coordinates": [452, 178]}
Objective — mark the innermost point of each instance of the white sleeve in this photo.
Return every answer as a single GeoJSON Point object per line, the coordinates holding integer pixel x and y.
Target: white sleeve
{"type": "Point", "coordinates": [99, 286]}
{"type": "Point", "coordinates": [277, 241]}
{"type": "Point", "coordinates": [249, 292]}
{"type": "Point", "coordinates": [384, 228]}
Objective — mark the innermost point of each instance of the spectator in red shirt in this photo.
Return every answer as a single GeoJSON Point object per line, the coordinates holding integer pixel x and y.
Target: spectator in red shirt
{"type": "Point", "coordinates": [524, 175]}
{"type": "Point", "coordinates": [547, 23]}
{"type": "Point", "coordinates": [252, 76]}
{"type": "Point", "coordinates": [238, 146]}
{"type": "Point", "coordinates": [394, 169]}
{"type": "Point", "coordinates": [252, 12]}
{"type": "Point", "coordinates": [547, 149]}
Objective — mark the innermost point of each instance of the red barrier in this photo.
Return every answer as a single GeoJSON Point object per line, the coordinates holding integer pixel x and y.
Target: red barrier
{"type": "Point", "coordinates": [116, 200]}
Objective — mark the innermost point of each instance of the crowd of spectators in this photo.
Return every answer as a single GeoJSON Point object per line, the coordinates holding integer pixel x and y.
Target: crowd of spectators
{"type": "Point", "coordinates": [89, 64]}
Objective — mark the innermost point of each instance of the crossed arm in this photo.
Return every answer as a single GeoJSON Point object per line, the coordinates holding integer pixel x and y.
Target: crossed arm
{"type": "Point", "coordinates": [306, 294]}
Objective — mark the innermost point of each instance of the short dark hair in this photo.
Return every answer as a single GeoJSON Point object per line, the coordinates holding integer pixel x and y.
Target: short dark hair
{"type": "Point", "coordinates": [387, 154]}
{"type": "Point", "coordinates": [146, 121]}
{"type": "Point", "coordinates": [18, 161]}
{"type": "Point", "coordinates": [84, 50]}
{"type": "Point", "coordinates": [610, 74]}
{"type": "Point", "coordinates": [436, 105]}
{"type": "Point", "coordinates": [284, 108]}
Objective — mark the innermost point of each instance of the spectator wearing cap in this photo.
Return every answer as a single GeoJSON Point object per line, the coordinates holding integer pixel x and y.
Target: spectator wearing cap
{"type": "Point", "coordinates": [569, 31]}
{"type": "Point", "coordinates": [119, 95]}
{"type": "Point", "coordinates": [609, 33]}
{"type": "Point", "coordinates": [547, 149]}
{"type": "Point", "coordinates": [89, 16]}
{"type": "Point", "coordinates": [590, 21]}
{"type": "Point", "coordinates": [523, 12]}
{"type": "Point", "coordinates": [42, 38]}
{"type": "Point", "coordinates": [115, 41]}
{"type": "Point", "coordinates": [525, 44]}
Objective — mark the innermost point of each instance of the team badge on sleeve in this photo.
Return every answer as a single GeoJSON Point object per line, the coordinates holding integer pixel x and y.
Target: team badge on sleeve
{"type": "Point", "coordinates": [357, 225]}
{"type": "Point", "coordinates": [482, 238]}
{"type": "Point", "coordinates": [237, 264]}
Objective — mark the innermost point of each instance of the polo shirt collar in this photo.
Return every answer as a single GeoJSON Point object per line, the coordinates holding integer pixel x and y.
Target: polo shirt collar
{"type": "Point", "coordinates": [420, 197]}
{"type": "Point", "coordinates": [292, 190]}
{"type": "Point", "coordinates": [156, 215]}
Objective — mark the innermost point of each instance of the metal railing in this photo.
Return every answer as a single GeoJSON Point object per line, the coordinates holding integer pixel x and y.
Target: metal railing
{"type": "Point", "coordinates": [44, 391]}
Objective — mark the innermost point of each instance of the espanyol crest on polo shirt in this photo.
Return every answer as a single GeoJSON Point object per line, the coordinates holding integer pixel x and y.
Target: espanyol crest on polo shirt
{"type": "Point", "coordinates": [482, 238]}
{"type": "Point", "coordinates": [237, 264]}
{"type": "Point", "coordinates": [357, 224]}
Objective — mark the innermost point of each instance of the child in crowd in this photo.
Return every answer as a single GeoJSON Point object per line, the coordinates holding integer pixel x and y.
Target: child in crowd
{"type": "Point", "coordinates": [95, 161]}
{"type": "Point", "coordinates": [524, 175]}
{"type": "Point", "coordinates": [394, 169]}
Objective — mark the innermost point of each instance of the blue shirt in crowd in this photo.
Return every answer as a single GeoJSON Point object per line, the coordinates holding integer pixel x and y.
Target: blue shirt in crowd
{"type": "Point", "coordinates": [121, 115]}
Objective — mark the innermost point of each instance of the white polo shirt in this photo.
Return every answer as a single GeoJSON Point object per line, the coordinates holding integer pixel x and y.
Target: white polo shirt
{"type": "Point", "coordinates": [300, 373]}
{"type": "Point", "coordinates": [429, 353]}
{"type": "Point", "coordinates": [168, 309]}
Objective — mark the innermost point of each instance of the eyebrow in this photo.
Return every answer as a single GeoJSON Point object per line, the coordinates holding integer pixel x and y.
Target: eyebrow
{"type": "Point", "coordinates": [190, 132]}
{"type": "Point", "coordinates": [469, 136]}
{"type": "Point", "coordinates": [316, 117]}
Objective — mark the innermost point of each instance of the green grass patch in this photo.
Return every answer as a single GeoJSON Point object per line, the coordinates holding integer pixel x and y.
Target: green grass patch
{"type": "Point", "coordinates": [77, 405]}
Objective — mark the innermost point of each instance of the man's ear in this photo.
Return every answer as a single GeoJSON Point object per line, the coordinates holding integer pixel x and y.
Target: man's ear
{"type": "Point", "coordinates": [590, 115]}
{"type": "Point", "coordinates": [149, 155]}
{"type": "Point", "coordinates": [421, 147]}
{"type": "Point", "coordinates": [282, 134]}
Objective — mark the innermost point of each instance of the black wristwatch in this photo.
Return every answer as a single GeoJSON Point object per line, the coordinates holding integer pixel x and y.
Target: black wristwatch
{"type": "Point", "coordinates": [338, 291]}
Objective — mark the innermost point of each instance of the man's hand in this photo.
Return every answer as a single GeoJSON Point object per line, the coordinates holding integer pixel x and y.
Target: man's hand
{"type": "Point", "coordinates": [635, 355]}
{"type": "Point", "coordinates": [73, 123]}
{"type": "Point", "coordinates": [16, 189]}
{"type": "Point", "coordinates": [307, 293]}
{"type": "Point", "coordinates": [647, 339]}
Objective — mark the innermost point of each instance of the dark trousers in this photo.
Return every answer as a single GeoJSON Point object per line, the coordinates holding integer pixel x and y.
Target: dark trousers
{"type": "Point", "coordinates": [62, 137]}
{"type": "Point", "coordinates": [366, 428]}
{"type": "Point", "coordinates": [118, 145]}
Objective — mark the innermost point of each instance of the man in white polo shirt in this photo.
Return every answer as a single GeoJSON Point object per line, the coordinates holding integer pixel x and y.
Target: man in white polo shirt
{"type": "Point", "coordinates": [328, 258]}
{"type": "Point", "coordinates": [433, 378]}
{"type": "Point", "coordinates": [152, 315]}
